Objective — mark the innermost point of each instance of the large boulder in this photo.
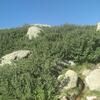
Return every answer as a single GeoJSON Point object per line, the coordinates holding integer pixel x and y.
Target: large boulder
{"type": "Point", "coordinates": [33, 32]}
{"type": "Point", "coordinates": [72, 78]}
{"type": "Point", "coordinates": [98, 27]}
{"type": "Point", "coordinates": [93, 80]}
{"type": "Point", "coordinates": [68, 80]}
{"type": "Point", "coordinates": [7, 59]}
{"type": "Point", "coordinates": [70, 85]}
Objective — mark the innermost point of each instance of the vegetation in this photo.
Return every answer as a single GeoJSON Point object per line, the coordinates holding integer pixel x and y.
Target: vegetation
{"type": "Point", "coordinates": [34, 78]}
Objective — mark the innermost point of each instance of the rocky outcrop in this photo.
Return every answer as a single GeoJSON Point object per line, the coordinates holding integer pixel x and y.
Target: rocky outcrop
{"type": "Point", "coordinates": [7, 59]}
{"type": "Point", "coordinates": [33, 32]}
{"type": "Point", "coordinates": [93, 80]}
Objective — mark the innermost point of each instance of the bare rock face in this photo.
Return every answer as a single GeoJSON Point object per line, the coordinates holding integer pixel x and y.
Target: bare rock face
{"type": "Point", "coordinates": [68, 80]}
{"type": "Point", "coordinates": [7, 59]}
{"type": "Point", "coordinates": [93, 80]}
{"type": "Point", "coordinates": [98, 27]}
{"type": "Point", "coordinates": [33, 32]}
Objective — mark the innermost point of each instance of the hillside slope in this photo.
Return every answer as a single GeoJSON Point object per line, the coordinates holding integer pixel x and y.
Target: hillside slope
{"type": "Point", "coordinates": [35, 77]}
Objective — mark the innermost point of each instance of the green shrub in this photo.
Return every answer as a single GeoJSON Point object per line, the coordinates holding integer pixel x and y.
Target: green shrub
{"type": "Point", "coordinates": [35, 78]}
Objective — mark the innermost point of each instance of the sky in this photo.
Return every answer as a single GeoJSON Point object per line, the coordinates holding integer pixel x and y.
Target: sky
{"type": "Point", "coordinates": [14, 13]}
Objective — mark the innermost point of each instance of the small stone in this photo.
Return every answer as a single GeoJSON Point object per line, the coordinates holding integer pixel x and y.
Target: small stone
{"type": "Point", "coordinates": [60, 77]}
{"type": "Point", "coordinates": [91, 98]}
{"type": "Point", "coordinates": [63, 98]}
{"type": "Point", "coordinates": [71, 63]}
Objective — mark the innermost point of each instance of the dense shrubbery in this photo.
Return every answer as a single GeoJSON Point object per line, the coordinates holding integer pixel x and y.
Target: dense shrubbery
{"type": "Point", "coordinates": [34, 78]}
{"type": "Point", "coordinates": [11, 39]}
